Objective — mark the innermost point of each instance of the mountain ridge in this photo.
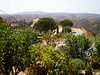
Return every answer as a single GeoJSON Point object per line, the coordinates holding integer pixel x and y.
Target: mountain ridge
{"type": "Point", "coordinates": [41, 12]}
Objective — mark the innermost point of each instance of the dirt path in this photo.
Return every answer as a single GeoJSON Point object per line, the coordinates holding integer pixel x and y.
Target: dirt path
{"type": "Point", "coordinates": [77, 31]}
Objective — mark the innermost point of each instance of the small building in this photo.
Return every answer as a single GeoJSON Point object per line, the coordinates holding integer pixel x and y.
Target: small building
{"type": "Point", "coordinates": [14, 25]}
{"type": "Point", "coordinates": [59, 29]}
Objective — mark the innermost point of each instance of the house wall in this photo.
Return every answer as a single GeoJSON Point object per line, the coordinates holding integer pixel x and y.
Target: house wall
{"type": "Point", "coordinates": [60, 28]}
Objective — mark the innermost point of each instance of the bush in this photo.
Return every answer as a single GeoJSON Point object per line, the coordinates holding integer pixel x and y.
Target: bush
{"type": "Point", "coordinates": [47, 36]}
{"type": "Point", "coordinates": [98, 47]}
{"type": "Point", "coordinates": [78, 46]}
{"type": "Point", "coordinates": [58, 35]}
{"type": "Point", "coordinates": [14, 47]}
{"type": "Point", "coordinates": [75, 66]}
{"type": "Point", "coordinates": [45, 60]}
{"type": "Point", "coordinates": [96, 55]}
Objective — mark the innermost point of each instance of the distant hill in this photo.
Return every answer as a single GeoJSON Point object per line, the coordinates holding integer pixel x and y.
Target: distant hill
{"type": "Point", "coordinates": [90, 22]}
{"type": "Point", "coordinates": [36, 12]}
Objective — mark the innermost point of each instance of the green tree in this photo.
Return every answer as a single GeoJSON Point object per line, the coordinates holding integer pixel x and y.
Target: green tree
{"type": "Point", "coordinates": [66, 22]}
{"type": "Point", "coordinates": [66, 29]}
{"type": "Point", "coordinates": [45, 24]}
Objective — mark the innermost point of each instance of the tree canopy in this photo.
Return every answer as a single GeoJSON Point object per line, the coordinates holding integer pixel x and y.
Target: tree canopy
{"type": "Point", "coordinates": [45, 24]}
{"type": "Point", "coordinates": [1, 20]}
{"type": "Point", "coordinates": [66, 29]}
{"type": "Point", "coordinates": [66, 22]}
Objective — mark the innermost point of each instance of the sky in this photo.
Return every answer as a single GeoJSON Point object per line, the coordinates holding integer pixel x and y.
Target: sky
{"type": "Point", "coordinates": [70, 6]}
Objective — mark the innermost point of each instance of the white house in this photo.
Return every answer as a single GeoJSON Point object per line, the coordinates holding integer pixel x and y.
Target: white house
{"type": "Point", "coordinates": [14, 24]}
{"type": "Point", "coordinates": [59, 29]}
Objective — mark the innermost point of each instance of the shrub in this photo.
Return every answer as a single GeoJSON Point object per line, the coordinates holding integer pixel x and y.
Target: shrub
{"type": "Point", "coordinates": [78, 46]}
{"type": "Point", "coordinates": [96, 55]}
{"type": "Point", "coordinates": [58, 35]}
{"type": "Point", "coordinates": [14, 47]}
{"type": "Point", "coordinates": [47, 36]}
{"type": "Point", "coordinates": [45, 60]}
{"type": "Point", "coordinates": [98, 47]}
{"type": "Point", "coordinates": [75, 66]}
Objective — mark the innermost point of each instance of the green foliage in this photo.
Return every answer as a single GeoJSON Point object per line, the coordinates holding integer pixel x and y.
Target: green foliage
{"type": "Point", "coordinates": [5, 41]}
{"type": "Point", "coordinates": [45, 60]}
{"type": "Point", "coordinates": [97, 36]}
{"type": "Point", "coordinates": [89, 66]}
{"type": "Point", "coordinates": [58, 35]}
{"type": "Point", "coordinates": [47, 36]}
{"type": "Point", "coordinates": [1, 20]}
{"type": "Point", "coordinates": [66, 22]}
{"type": "Point", "coordinates": [14, 47]}
{"type": "Point", "coordinates": [75, 66]}
{"type": "Point", "coordinates": [66, 29]}
{"type": "Point", "coordinates": [78, 45]}
{"type": "Point", "coordinates": [98, 47]}
{"type": "Point", "coordinates": [45, 24]}
{"type": "Point", "coordinates": [19, 48]}
{"type": "Point", "coordinates": [96, 55]}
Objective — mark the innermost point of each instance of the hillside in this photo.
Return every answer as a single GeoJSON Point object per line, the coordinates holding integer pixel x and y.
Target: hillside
{"type": "Point", "coordinates": [90, 22]}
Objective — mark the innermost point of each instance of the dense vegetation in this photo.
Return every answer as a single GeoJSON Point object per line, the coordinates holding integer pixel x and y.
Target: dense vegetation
{"type": "Point", "coordinates": [66, 22]}
{"type": "Point", "coordinates": [45, 24]}
{"type": "Point", "coordinates": [21, 49]}
{"type": "Point", "coordinates": [66, 29]}
{"type": "Point", "coordinates": [14, 47]}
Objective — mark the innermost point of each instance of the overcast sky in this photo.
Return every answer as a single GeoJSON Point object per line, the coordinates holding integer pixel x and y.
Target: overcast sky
{"type": "Point", "coordinates": [71, 6]}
